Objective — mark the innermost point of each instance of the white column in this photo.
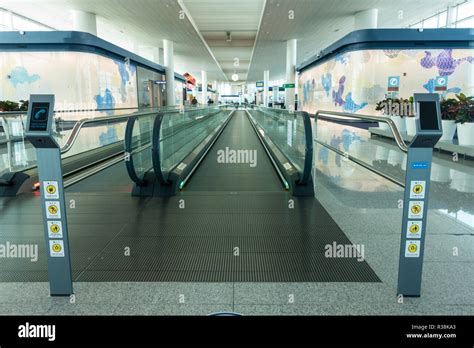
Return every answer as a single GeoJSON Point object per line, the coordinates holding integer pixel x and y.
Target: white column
{"type": "Point", "coordinates": [84, 21]}
{"type": "Point", "coordinates": [168, 60]}
{"type": "Point", "coordinates": [204, 87]}
{"type": "Point", "coordinates": [290, 73]}
{"type": "Point", "coordinates": [450, 17]}
{"type": "Point", "coordinates": [367, 19]}
{"type": "Point", "coordinates": [266, 82]}
{"type": "Point", "coordinates": [275, 95]}
{"type": "Point", "coordinates": [214, 87]}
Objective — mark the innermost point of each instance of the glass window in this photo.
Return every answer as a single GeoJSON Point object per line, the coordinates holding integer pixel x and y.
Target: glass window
{"type": "Point", "coordinates": [442, 19]}
{"type": "Point", "coordinates": [8, 19]}
{"type": "Point", "coordinates": [431, 22]}
{"type": "Point", "coordinates": [466, 23]}
{"type": "Point", "coordinates": [465, 10]}
{"type": "Point", "coordinates": [5, 21]}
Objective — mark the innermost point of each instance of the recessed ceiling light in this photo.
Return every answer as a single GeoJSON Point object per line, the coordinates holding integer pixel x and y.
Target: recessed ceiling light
{"type": "Point", "coordinates": [235, 77]}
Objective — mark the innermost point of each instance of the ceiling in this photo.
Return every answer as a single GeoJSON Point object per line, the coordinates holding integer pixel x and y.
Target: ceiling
{"type": "Point", "coordinates": [124, 22]}
{"type": "Point", "coordinates": [258, 28]}
{"type": "Point", "coordinates": [318, 23]}
{"type": "Point", "coordinates": [215, 18]}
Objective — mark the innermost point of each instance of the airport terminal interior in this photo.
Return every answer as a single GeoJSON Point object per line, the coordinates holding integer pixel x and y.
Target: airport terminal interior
{"type": "Point", "coordinates": [223, 157]}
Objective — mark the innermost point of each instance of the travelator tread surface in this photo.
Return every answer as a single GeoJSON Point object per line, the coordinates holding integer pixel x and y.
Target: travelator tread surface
{"type": "Point", "coordinates": [196, 236]}
{"type": "Point", "coordinates": [214, 176]}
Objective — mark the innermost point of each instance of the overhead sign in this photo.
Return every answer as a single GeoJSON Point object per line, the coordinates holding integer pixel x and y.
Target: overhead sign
{"type": "Point", "coordinates": [190, 80]}
{"type": "Point", "coordinates": [289, 85]}
{"type": "Point", "coordinates": [259, 84]}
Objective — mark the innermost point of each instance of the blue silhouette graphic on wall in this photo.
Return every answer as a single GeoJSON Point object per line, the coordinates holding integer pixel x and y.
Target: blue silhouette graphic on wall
{"type": "Point", "coordinates": [337, 95]}
{"type": "Point", "coordinates": [444, 62]}
{"type": "Point", "coordinates": [347, 104]}
{"type": "Point", "coordinates": [20, 75]}
{"type": "Point", "coordinates": [124, 75]}
{"type": "Point", "coordinates": [105, 102]}
{"type": "Point", "coordinates": [343, 59]}
{"type": "Point", "coordinates": [326, 80]}
{"type": "Point", "coordinates": [351, 106]}
{"type": "Point", "coordinates": [125, 70]}
{"type": "Point", "coordinates": [306, 87]}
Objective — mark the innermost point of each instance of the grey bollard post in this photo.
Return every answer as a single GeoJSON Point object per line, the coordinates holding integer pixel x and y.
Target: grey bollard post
{"type": "Point", "coordinates": [417, 185]}
{"type": "Point", "coordinates": [39, 131]}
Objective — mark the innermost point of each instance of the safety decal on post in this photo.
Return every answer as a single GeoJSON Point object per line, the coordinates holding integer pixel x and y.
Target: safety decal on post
{"type": "Point", "coordinates": [414, 229]}
{"type": "Point", "coordinates": [50, 189]}
{"type": "Point", "coordinates": [56, 248]}
{"type": "Point", "coordinates": [412, 248]}
{"type": "Point", "coordinates": [417, 189]}
{"type": "Point", "coordinates": [415, 209]}
{"type": "Point", "coordinates": [55, 229]}
{"type": "Point", "coordinates": [53, 211]}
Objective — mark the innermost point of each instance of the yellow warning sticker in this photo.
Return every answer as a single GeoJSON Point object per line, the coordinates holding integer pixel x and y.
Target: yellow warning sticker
{"type": "Point", "coordinates": [56, 248]}
{"type": "Point", "coordinates": [412, 248]}
{"type": "Point", "coordinates": [55, 229]}
{"type": "Point", "coordinates": [50, 190]}
{"type": "Point", "coordinates": [415, 209]}
{"type": "Point", "coordinates": [53, 210]}
{"type": "Point", "coordinates": [414, 229]}
{"type": "Point", "coordinates": [417, 189]}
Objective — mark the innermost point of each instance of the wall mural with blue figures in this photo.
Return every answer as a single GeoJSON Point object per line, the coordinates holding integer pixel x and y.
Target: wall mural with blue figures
{"type": "Point", "coordinates": [355, 81]}
{"type": "Point", "coordinates": [79, 80]}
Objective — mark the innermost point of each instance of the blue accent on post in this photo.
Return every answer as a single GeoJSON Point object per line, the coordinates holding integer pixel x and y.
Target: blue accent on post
{"type": "Point", "coordinates": [393, 39]}
{"type": "Point", "coordinates": [420, 165]}
{"type": "Point", "coordinates": [37, 115]}
{"type": "Point", "coordinates": [394, 81]}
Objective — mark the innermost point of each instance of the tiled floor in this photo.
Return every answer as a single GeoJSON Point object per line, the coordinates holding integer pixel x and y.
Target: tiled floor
{"type": "Point", "coordinates": [448, 277]}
